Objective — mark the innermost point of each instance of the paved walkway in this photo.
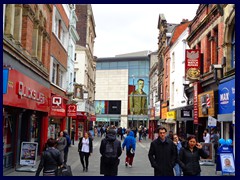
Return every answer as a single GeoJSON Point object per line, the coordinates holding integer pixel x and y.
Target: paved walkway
{"type": "Point", "coordinates": [141, 165]}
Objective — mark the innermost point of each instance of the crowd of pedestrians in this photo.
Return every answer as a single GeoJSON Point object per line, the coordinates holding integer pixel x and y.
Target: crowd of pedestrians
{"type": "Point", "coordinates": [168, 155]}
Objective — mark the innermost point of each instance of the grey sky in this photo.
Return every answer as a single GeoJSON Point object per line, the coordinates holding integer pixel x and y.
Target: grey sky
{"type": "Point", "coordinates": [126, 28]}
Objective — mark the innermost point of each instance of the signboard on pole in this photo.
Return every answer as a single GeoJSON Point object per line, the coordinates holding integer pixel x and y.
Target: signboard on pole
{"type": "Point", "coordinates": [212, 122]}
{"type": "Point", "coordinates": [28, 155]}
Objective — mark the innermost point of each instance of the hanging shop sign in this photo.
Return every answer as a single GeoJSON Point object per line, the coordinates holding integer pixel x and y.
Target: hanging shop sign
{"type": "Point", "coordinates": [152, 113]}
{"type": "Point", "coordinates": [71, 110]}
{"type": "Point", "coordinates": [157, 110]}
{"type": "Point", "coordinates": [192, 64]}
{"type": "Point", "coordinates": [196, 90]}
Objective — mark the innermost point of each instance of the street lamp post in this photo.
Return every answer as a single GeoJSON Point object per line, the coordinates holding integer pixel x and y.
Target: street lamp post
{"type": "Point", "coordinates": [133, 99]}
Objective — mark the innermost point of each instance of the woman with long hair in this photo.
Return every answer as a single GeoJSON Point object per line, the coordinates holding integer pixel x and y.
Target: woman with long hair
{"type": "Point", "coordinates": [50, 159]}
{"type": "Point", "coordinates": [85, 149]}
{"type": "Point", "coordinates": [189, 157]}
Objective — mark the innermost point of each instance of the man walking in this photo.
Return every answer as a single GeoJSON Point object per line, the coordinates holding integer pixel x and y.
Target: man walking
{"type": "Point", "coordinates": [162, 154]}
{"type": "Point", "coordinates": [110, 150]}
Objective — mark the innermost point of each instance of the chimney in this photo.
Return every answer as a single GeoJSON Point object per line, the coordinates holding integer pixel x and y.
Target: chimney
{"type": "Point", "coordinates": [184, 21]}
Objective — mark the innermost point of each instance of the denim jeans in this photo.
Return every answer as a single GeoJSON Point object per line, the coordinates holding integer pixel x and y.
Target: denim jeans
{"type": "Point", "coordinates": [178, 170]}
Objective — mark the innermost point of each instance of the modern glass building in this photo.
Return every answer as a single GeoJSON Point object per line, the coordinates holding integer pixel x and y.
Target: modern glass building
{"type": "Point", "coordinates": [122, 90]}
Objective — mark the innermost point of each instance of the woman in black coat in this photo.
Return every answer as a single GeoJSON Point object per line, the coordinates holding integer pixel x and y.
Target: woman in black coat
{"type": "Point", "coordinates": [50, 159]}
{"type": "Point", "coordinates": [85, 148]}
{"type": "Point", "coordinates": [189, 157]}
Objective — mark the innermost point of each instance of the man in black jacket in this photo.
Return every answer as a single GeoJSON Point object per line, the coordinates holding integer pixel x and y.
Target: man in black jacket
{"type": "Point", "coordinates": [162, 154]}
{"type": "Point", "coordinates": [110, 150]}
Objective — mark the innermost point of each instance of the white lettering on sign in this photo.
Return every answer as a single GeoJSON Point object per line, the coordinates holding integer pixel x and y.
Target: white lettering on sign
{"type": "Point", "coordinates": [29, 93]}
{"type": "Point", "coordinates": [57, 101]}
{"type": "Point", "coordinates": [224, 98]}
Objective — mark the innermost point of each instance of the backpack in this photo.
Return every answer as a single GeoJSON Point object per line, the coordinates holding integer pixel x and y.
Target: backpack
{"type": "Point", "coordinates": [110, 153]}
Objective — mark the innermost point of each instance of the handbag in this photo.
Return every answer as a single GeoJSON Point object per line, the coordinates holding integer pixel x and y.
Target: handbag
{"type": "Point", "coordinates": [64, 171]}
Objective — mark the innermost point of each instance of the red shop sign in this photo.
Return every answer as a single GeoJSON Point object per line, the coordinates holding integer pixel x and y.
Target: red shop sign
{"type": "Point", "coordinates": [58, 107]}
{"type": "Point", "coordinates": [72, 110]}
{"type": "Point", "coordinates": [24, 92]}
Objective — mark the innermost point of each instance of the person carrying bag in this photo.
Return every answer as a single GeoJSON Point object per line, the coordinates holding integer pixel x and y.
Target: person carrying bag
{"type": "Point", "coordinates": [130, 143]}
{"type": "Point", "coordinates": [50, 159]}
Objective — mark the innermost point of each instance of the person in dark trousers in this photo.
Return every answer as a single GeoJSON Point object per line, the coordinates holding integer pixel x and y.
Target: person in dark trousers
{"type": "Point", "coordinates": [72, 136]}
{"type": "Point", "coordinates": [110, 149]}
{"type": "Point", "coordinates": [163, 154]}
{"type": "Point", "coordinates": [50, 159]}
{"type": "Point", "coordinates": [189, 157]}
{"type": "Point", "coordinates": [85, 149]}
{"type": "Point", "coordinates": [66, 149]}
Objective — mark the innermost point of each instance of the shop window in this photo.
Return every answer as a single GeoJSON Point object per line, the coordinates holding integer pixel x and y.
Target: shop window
{"type": "Point", "coordinates": [34, 131]}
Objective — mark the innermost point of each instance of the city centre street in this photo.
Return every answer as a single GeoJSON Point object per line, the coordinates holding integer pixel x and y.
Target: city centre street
{"type": "Point", "coordinates": [141, 165]}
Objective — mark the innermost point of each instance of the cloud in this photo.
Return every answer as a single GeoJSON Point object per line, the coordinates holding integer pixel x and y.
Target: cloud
{"type": "Point", "coordinates": [125, 28]}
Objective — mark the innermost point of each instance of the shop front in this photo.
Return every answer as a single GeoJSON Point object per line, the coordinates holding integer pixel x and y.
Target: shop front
{"type": "Point", "coordinates": [25, 114]}
{"type": "Point", "coordinates": [171, 121]}
{"type": "Point", "coordinates": [57, 116]}
{"type": "Point", "coordinates": [226, 108]}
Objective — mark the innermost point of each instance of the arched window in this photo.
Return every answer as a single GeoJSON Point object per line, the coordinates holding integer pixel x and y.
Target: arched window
{"type": "Point", "coordinates": [233, 50]}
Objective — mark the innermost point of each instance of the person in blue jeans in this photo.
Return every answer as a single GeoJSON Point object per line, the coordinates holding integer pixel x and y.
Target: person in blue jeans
{"type": "Point", "coordinates": [177, 168]}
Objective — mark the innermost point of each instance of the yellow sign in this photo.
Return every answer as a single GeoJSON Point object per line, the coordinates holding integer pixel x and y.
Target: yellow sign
{"type": "Point", "coordinates": [171, 115]}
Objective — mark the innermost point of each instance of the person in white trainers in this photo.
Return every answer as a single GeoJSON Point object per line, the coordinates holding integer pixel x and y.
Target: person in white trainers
{"type": "Point", "coordinates": [130, 143]}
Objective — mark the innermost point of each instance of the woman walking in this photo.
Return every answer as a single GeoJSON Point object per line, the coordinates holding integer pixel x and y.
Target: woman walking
{"type": "Point", "coordinates": [61, 143]}
{"type": "Point", "coordinates": [130, 143]}
{"type": "Point", "coordinates": [50, 159]}
{"type": "Point", "coordinates": [189, 157]}
{"type": "Point", "coordinates": [85, 149]}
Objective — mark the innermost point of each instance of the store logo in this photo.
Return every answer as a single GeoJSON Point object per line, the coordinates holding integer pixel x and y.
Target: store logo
{"type": "Point", "coordinates": [224, 96]}
{"type": "Point", "coordinates": [57, 100]}
{"type": "Point", "coordinates": [24, 91]}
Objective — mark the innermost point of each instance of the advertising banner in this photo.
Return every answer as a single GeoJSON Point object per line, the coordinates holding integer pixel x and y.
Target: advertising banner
{"type": "Point", "coordinates": [227, 163]}
{"type": "Point", "coordinates": [5, 80]}
{"type": "Point", "coordinates": [226, 97]}
{"type": "Point", "coordinates": [28, 153]}
{"type": "Point", "coordinates": [192, 64]}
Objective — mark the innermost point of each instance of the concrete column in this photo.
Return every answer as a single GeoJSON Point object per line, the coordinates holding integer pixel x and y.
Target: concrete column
{"type": "Point", "coordinates": [9, 20]}
{"type": "Point", "coordinates": [18, 23]}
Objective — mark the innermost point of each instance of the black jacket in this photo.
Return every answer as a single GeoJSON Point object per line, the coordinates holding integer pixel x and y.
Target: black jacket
{"type": "Point", "coordinates": [163, 156]}
{"type": "Point", "coordinates": [105, 168]}
{"type": "Point", "coordinates": [50, 160]}
{"type": "Point", "coordinates": [90, 145]}
{"type": "Point", "coordinates": [189, 161]}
